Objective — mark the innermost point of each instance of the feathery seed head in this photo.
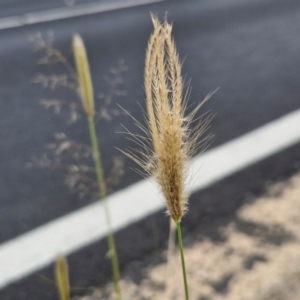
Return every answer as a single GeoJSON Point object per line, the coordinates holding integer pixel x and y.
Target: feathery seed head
{"type": "Point", "coordinates": [84, 75]}
{"type": "Point", "coordinates": [169, 141]}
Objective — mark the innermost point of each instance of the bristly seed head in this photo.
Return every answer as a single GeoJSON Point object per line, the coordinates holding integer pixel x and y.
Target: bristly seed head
{"type": "Point", "coordinates": [169, 141]}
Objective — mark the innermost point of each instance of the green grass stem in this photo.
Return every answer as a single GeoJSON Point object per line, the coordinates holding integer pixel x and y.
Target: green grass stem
{"type": "Point", "coordinates": [186, 290]}
{"type": "Point", "coordinates": [102, 193]}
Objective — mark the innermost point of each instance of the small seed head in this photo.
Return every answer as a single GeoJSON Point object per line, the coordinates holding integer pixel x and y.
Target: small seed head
{"type": "Point", "coordinates": [62, 277]}
{"type": "Point", "coordinates": [84, 75]}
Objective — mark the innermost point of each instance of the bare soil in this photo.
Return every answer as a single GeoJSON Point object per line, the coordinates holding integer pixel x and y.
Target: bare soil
{"type": "Point", "coordinates": [258, 257]}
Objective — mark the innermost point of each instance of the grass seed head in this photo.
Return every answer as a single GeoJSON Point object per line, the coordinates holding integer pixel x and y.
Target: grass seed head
{"type": "Point", "coordinates": [62, 277]}
{"type": "Point", "coordinates": [169, 140]}
{"type": "Point", "coordinates": [84, 75]}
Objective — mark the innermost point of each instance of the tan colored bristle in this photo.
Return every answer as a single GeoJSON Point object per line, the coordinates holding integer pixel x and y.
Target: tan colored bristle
{"type": "Point", "coordinates": [84, 76]}
{"type": "Point", "coordinates": [169, 141]}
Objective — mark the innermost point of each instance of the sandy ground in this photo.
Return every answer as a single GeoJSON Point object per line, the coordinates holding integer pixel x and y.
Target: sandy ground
{"type": "Point", "coordinates": [258, 257]}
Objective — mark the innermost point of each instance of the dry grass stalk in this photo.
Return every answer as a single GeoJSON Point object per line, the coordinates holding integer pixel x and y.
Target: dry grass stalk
{"type": "Point", "coordinates": [169, 141]}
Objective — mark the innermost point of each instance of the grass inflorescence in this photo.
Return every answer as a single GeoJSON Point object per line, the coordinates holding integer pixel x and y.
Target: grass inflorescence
{"type": "Point", "coordinates": [62, 277]}
{"type": "Point", "coordinates": [169, 140]}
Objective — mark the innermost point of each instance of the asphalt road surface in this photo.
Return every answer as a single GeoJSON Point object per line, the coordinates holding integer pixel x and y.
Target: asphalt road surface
{"type": "Point", "coordinates": [250, 49]}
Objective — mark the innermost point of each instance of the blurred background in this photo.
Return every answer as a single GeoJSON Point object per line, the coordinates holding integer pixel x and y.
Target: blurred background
{"type": "Point", "coordinates": [249, 49]}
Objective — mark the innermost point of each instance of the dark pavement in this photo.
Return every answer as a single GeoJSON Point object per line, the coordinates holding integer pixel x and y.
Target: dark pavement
{"type": "Point", "coordinates": [248, 48]}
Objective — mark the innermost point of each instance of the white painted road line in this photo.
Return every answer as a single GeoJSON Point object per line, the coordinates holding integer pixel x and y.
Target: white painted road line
{"type": "Point", "coordinates": [246, 150]}
{"type": "Point", "coordinates": [36, 249]}
{"type": "Point", "coordinates": [69, 12]}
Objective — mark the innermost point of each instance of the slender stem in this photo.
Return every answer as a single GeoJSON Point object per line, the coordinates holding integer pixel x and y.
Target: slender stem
{"type": "Point", "coordinates": [102, 193]}
{"type": "Point", "coordinates": [97, 158]}
{"type": "Point", "coordinates": [182, 260]}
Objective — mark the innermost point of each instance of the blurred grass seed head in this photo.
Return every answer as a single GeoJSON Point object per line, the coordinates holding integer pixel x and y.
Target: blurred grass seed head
{"type": "Point", "coordinates": [84, 77]}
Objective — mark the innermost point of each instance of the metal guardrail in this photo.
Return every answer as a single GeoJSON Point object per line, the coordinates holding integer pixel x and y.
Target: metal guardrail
{"type": "Point", "coordinates": [59, 13]}
{"type": "Point", "coordinates": [10, 8]}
